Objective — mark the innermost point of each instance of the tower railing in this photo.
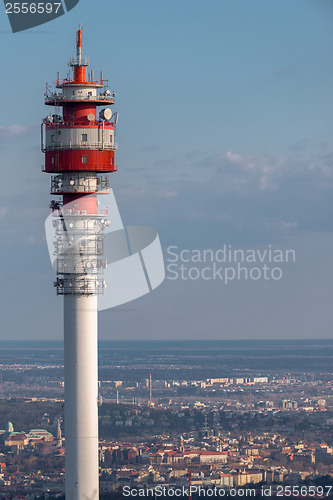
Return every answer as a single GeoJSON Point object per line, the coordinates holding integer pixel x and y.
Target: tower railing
{"type": "Point", "coordinates": [82, 146]}
{"type": "Point", "coordinates": [61, 123]}
{"type": "Point", "coordinates": [59, 97]}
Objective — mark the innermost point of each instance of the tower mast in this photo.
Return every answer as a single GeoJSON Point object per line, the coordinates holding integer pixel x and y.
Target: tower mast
{"type": "Point", "coordinates": [150, 391]}
{"type": "Point", "coordinates": [79, 153]}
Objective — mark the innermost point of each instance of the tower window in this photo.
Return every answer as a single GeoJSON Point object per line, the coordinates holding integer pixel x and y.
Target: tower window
{"type": "Point", "coordinates": [52, 139]}
{"type": "Point", "coordinates": [84, 138]}
{"type": "Point", "coordinates": [84, 159]}
{"type": "Point", "coordinates": [111, 139]}
{"type": "Point", "coordinates": [52, 160]}
{"type": "Point", "coordinates": [111, 160]}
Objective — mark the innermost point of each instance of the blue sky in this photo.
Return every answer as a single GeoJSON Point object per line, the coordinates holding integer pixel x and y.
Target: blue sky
{"type": "Point", "coordinates": [225, 137]}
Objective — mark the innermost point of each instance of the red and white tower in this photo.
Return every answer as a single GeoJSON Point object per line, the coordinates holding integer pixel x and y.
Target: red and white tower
{"type": "Point", "coordinates": [79, 146]}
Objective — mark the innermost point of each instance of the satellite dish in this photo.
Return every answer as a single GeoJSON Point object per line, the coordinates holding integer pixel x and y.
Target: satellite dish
{"type": "Point", "coordinates": [106, 114]}
{"type": "Point", "coordinates": [108, 92]}
{"type": "Point", "coordinates": [91, 117]}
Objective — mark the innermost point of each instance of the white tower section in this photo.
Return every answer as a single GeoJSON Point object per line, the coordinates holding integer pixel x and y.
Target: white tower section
{"type": "Point", "coordinates": [81, 393]}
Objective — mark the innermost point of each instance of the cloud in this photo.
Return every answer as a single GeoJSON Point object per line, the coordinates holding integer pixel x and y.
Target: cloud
{"type": "Point", "coordinates": [13, 130]}
{"type": "Point", "coordinates": [264, 164]}
{"type": "Point", "coordinates": [232, 171]}
{"type": "Point", "coordinates": [300, 145]}
{"type": "Point", "coordinates": [168, 194]}
{"type": "Point", "coordinates": [267, 183]}
{"type": "Point", "coordinates": [307, 144]}
{"type": "Point", "coordinates": [211, 195]}
{"type": "Point", "coordinates": [322, 164]}
{"type": "Point", "coordinates": [288, 225]}
{"type": "Point", "coordinates": [3, 212]}
{"type": "Point", "coordinates": [260, 170]}
{"type": "Point", "coordinates": [234, 157]}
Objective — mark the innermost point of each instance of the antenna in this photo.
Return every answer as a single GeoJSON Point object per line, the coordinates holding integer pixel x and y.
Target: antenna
{"type": "Point", "coordinates": [79, 45]}
{"type": "Point", "coordinates": [150, 390]}
{"type": "Point", "coordinates": [106, 114]}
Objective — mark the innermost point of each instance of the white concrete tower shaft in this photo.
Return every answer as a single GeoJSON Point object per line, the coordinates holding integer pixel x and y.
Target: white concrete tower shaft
{"type": "Point", "coordinates": [81, 393]}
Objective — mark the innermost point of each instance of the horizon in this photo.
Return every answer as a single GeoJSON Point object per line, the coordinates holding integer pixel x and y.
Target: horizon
{"type": "Point", "coordinates": [184, 341]}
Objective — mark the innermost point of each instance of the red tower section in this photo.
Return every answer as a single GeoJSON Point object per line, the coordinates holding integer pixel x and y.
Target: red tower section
{"type": "Point", "coordinates": [78, 141]}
